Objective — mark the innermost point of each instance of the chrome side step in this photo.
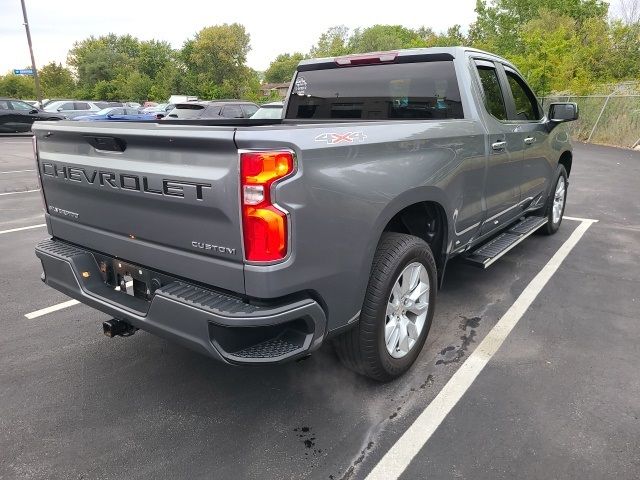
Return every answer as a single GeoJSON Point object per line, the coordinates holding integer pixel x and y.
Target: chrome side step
{"type": "Point", "coordinates": [486, 254]}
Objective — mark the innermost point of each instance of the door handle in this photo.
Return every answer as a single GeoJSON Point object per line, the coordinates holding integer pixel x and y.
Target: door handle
{"type": "Point", "coordinates": [530, 140]}
{"type": "Point", "coordinates": [498, 146]}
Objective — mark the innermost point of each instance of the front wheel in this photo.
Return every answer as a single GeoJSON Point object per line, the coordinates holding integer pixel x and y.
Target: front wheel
{"type": "Point", "coordinates": [556, 202]}
{"type": "Point", "coordinates": [397, 311]}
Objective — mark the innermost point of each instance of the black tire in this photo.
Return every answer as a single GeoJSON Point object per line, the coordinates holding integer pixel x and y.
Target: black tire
{"type": "Point", "coordinates": [552, 227]}
{"type": "Point", "coordinates": [363, 349]}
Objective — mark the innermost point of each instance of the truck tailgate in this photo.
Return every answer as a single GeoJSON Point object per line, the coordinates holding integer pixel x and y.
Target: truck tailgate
{"type": "Point", "coordinates": [161, 196]}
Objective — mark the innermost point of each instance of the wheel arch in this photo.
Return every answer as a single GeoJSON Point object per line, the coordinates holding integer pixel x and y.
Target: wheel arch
{"type": "Point", "coordinates": [566, 160]}
{"type": "Point", "coordinates": [421, 212]}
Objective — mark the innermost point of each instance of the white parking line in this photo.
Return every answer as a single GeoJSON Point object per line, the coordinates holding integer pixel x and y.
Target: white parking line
{"type": "Point", "coordinates": [60, 306]}
{"type": "Point", "coordinates": [24, 191]}
{"type": "Point", "coordinates": [52, 308]}
{"type": "Point", "coordinates": [23, 228]}
{"type": "Point", "coordinates": [17, 171]}
{"type": "Point", "coordinates": [398, 458]}
{"type": "Point", "coordinates": [578, 219]}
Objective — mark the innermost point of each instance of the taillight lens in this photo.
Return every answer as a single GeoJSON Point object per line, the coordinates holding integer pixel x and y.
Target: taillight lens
{"type": "Point", "coordinates": [264, 224]}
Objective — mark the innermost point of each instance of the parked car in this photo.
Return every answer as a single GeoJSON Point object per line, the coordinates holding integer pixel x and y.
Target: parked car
{"type": "Point", "coordinates": [108, 104]}
{"type": "Point", "coordinates": [271, 110]}
{"type": "Point", "coordinates": [117, 113]}
{"type": "Point", "coordinates": [158, 108]}
{"type": "Point", "coordinates": [209, 110]}
{"type": "Point", "coordinates": [175, 99]}
{"type": "Point", "coordinates": [72, 108]}
{"type": "Point", "coordinates": [257, 243]}
{"type": "Point", "coordinates": [17, 116]}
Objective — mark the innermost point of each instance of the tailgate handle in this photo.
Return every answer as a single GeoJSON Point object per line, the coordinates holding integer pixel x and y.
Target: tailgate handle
{"type": "Point", "coordinates": [107, 144]}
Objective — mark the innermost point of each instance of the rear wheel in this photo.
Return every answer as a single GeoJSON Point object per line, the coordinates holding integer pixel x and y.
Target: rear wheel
{"type": "Point", "coordinates": [556, 202]}
{"type": "Point", "coordinates": [397, 311]}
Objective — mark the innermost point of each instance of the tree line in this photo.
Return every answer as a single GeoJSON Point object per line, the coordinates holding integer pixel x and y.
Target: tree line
{"type": "Point", "coordinates": [559, 45]}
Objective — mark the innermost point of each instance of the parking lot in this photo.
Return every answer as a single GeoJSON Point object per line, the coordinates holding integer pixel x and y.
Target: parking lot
{"type": "Point", "coordinates": [559, 398]}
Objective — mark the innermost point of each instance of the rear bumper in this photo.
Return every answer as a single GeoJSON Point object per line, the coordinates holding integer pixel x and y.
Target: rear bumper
{"type": "Point", "coordinates": [214, 323]}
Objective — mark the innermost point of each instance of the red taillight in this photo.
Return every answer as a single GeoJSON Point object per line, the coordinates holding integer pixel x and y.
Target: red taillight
{"type": "Point", "coordinates": [264, 225]}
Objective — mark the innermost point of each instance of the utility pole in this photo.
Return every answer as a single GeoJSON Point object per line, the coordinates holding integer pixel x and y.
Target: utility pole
{"type": "Point", "coordinates": [33, 60]}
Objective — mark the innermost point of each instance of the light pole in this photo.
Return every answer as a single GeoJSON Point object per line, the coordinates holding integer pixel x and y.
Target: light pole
{"type": "Point", "coordinates": [33, 60]}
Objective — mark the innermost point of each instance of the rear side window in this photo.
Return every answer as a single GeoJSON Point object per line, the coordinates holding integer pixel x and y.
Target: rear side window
{"type": "Point", "coordinates": [212, 111]}
{"type": "Point", "coordinates": [249, 110]}
{"type": "Point", "coordinates": [186, 111]}
{"type": "Point", "coordinates": [4, 105]}
{"type": "Point", "coordinates": [524, 99]}
{"type": "Point", "coordinates": [419, 91]}
{"type": "Point", "coordinates": [232, 111]}
{"type": "Point", "coordinates": [493, 98]}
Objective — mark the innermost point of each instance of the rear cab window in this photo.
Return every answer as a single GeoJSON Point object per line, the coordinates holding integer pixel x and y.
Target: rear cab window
{"type": "Point", "coordinates": [424, 90]}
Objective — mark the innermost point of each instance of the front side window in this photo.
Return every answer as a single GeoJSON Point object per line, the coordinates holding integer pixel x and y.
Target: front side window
{"type": "Point", "coordinates": [493, 98]}
{"type": "Point", "coordinates": [67, 106]}
{"type": "Point", "coordinates": [82, 106]}
{"type": "Point", "coordinates": [524, 99]}
{"type": "Point", "coordinates": [417, 91]}
{"type": "Point", "coordinates": [21, 105]}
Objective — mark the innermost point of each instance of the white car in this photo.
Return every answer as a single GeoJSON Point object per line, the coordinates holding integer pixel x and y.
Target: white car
{"type": "Point", "coordinates": [271, 111]}
{"type": "Point", "coordinates": [72, 108]}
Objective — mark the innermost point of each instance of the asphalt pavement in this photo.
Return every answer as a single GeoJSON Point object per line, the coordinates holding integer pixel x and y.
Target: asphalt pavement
{"type": "Point", "coordinates": [559, 399]}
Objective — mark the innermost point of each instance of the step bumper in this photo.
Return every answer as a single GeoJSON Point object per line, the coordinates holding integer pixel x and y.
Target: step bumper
{"type": "Point", "coordinates": [215, 323]}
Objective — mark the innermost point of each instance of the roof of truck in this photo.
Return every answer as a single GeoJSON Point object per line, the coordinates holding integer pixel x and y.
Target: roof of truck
{"type": "Point", "coordinates": [443, 51]}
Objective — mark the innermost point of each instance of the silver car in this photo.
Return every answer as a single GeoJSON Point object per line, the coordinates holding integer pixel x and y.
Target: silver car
{"type": "Point", "coordinates": [72, 108]}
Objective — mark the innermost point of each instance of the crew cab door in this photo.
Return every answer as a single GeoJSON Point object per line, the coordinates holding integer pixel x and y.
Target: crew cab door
{"type": "Point", "coordinates": [504, 162]}
{"type": "Point", "coordinates": [525, 113]}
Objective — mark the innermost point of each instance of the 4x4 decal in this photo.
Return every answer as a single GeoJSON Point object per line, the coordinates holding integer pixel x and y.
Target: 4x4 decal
{"type": "Point", "coordinates": [333, 138]}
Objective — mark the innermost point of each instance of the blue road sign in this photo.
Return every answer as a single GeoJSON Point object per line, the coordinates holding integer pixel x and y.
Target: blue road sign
{"type": "Point", "coordinates": [23, 71]}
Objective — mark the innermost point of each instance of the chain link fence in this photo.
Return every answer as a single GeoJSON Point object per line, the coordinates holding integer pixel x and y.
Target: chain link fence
{"type": "Point", "coordinates": [607, 119]}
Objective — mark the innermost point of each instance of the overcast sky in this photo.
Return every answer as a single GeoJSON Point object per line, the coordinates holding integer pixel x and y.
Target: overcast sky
{"type": "Point", "coordinates": [275, 27]}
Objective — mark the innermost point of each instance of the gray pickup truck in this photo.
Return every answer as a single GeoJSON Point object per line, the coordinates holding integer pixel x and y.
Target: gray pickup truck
{"type": "Point", "coordinates": [256, 241]}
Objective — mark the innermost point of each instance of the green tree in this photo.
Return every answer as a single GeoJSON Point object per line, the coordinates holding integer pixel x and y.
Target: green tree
{"type": "Point", "coordinates": [56, 81]}
{"type": "Point", "coordinates": [215, 59]}
{"type": "Point", "coordinates": [498, 24]}
{"type": "Point", "coordinates": [384, 37]}
{"type": "Point", "coordinates": [548, 44]}
{"type": "Point", "coordinates": [332, 43]}
{"type": "Point", "coordinates": [17, 86]}
{"type": "Point", "coordinates": [282, 68]}
{"type": "Point", "coordinates": [102, 58]}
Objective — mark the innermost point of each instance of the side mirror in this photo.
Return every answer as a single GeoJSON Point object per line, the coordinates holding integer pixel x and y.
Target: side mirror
{"type": "Point", "coordinates": [59, 109]}
{"type": "Point", "coordinates": [563, 112]}
{"type": "Point", "coordinates": [33, 111]}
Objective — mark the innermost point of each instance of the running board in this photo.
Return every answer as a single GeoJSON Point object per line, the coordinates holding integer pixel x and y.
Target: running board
{"type": "Point", "coordinates": [491, 251]}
